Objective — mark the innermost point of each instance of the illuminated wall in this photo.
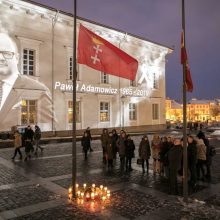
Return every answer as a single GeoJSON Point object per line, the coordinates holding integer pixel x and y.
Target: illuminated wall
{"type": "Point", "coordinates": [174, 111]}
{"type": "Point", "coordinates": [45, 47]}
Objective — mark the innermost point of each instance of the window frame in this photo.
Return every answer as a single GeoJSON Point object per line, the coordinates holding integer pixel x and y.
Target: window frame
{"type": "Point", "coordinates": [132, 111]}
{"type": "Point", "coordinates": [28, 60]}
{"type": "Point", "coordinates": [28, 112]}
{"type": "Point", "coordinates": [155, 82]}
{"type": "Point", "coordinates": [69, 111]}
{"type": "Point", "coordinates": [104, 110]}
{"type": "Point", "coordinates": [154, 112]}
{"type": "Point", "coordinates": [104, 78]}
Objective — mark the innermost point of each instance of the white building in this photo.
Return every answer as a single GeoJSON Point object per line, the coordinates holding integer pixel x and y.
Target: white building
{"type": "Point", "coordinates": [44, 40]}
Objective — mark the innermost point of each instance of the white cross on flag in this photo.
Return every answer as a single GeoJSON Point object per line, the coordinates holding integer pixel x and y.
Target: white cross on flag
{"type": "Point", "coordinates": [99, 54]}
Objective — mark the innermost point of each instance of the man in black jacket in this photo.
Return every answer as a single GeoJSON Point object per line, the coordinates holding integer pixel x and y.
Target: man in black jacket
{"type": "Point", "coordinates": [174, 158]}
{"type": "Point", "coordinates": [192, 160]}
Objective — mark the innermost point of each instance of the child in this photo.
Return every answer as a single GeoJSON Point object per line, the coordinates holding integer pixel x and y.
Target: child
{"type": "Point", "coordinates": [17, 144]}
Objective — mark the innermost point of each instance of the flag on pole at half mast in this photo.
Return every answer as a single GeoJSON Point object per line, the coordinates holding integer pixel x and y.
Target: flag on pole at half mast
{"type": "Point", "coordinates": [184, 60]}
{"type": "Point", "coordinates": [99, 54]}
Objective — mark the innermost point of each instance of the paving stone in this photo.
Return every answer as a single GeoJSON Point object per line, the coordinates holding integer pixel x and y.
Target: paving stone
{"type": "Point", "coordinates": [131, 203]}
{"type": "Point", "coordinates": [67, 212]}
{"type": "Point", "coordinates": [192, 211]}
{"type": "Point", "coordinates": [24, 196]}
{"type": "Point", "coordinates": [9, 176]}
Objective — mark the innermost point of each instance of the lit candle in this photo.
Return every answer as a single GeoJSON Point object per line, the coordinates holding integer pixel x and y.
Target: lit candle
{"type": "Point", "coordinates": [78, 193]}
{"type": "Point", "coordinates": [84, 185]}
{"type": "Point", "coordinates": [92, 195]}
{"type": "Point", "coordinates": [82, 195]}
{"type": "Point", "coordinates": [103, 198]}
{"type": "Point", "coordinates": [96, 194]}
{"type": "Point", "coordinates": [93, 185]}
{"type": "Point", "coordinates": [108, 191]}
{"type": "Point", "coordinates": [70, 190]}
{"type": "Point", "coordinates": [101, 187]}
{"type": "Point", "coordinates": [105, 189]}
{"type": "Point", "coordinates": [87, 196]}
{"type": "Point", "coordinates": [77, 186]}
{"type": "Point", "coordinates": [108, 195]}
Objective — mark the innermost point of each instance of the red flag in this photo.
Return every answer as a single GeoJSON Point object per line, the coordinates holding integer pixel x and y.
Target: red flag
{"type": "Point", "coordinates": [101, 55]}
{"type": "Point", "coordinates": [184, 60]}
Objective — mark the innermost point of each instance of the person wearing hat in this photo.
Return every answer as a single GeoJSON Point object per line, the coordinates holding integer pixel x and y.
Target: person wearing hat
{"type": "Point", "coordinates": [201, 155]}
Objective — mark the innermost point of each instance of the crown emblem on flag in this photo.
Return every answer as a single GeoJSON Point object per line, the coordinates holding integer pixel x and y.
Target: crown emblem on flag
{"type": "Point", "coordinates": [97, 41]}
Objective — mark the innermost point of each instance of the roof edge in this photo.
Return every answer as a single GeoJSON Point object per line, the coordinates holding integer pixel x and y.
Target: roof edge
{"type": "Point", "coordinates": [96, 23]}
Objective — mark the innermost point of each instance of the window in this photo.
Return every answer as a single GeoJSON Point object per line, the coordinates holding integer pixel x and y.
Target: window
{"type": "Point", "coordinates": [132, 83]}
{"type": "Point", "coordinates": [155, 111]}
{"type": "Point", "coordinates": [132, 111]}
{"type": "Point", "coordinates": [104, 111]}
{"type": "Point", "coordinates": [28, 112]}
{"type": "Point", "coordinates": [28, 62]}
{"type": "Point", "coordinates": [104, 78]}
{"type": "Point", "coordinates": [155, 81]}
{"type": "Point", "coordinates": [70, 112]}
{"type": "Point", "coordinates": [71, 69]}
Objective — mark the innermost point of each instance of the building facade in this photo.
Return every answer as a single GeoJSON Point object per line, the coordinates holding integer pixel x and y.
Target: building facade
{"type": "Point", "coordinates": [43, 88]}
{"type": "Point", "coordinates": [198, 110]}
{"type": "Point", "coordinates": [201, 110]}
{"type": "Point", "coordinates": [174, 111]}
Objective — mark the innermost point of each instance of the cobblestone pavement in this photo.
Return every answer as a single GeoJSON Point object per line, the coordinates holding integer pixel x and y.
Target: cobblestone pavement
{"type": "Point", "coordinates": [9, 176]}
{"type": "Point", "coordinates": [37, 189]}
{"type": "Point", "coordinates": [23, 196]}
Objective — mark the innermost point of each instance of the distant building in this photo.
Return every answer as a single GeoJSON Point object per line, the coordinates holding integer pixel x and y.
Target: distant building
{"type": "Point", "coordinates": [174, 111]}
{"type": "Point", "coordinates": [200, 110]}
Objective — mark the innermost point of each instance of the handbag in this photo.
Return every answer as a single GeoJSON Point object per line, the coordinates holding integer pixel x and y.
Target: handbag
{"type": "Point", "coordinates": [139, 161]}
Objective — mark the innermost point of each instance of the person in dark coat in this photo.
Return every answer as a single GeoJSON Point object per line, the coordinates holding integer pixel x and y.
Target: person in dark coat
{"type": "Point", "coordinates": [90, 138]}
{"type": "Point", "coordinates": [144, 152]}
{"type": "Point", "coordinates": [174, 158]}
{"type": "Point", "coordinates": [37, 137]}
{"type": "Point", "coordinates": [104, 142]}
{"type": "Point", "coordinates": [164, 156]}
{"type": "Point", "coordinates": [129, 152]}
{"type": "Point", "coordinates": [85, 142]}
{"type": "Point", "coordinates": [121, 149]}
{"type": "Point", "coordinates": [29, 133]}
{"type": "Point", "coordinates": [114, 143]}
{"type": "Point", "coordinates": [28, 139]}
{"type": "Point", "coordinates": [109, 152]}
{"type": "Point", "coordinates": [192, 161]}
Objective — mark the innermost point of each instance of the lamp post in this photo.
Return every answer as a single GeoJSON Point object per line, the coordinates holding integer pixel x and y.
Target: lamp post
{"type": "Point", "coordinates": [123, 106]}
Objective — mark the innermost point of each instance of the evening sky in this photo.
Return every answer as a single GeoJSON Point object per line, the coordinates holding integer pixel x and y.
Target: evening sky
{"type": "Point", "coordinates": [160, 21]}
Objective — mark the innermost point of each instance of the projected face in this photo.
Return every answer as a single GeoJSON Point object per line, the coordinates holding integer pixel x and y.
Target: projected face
{"type": "Point", "coordinates": [8, 56]}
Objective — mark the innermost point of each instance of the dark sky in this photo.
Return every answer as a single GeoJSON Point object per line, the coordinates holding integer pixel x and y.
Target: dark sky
{"type": "Point", "coordinates": [160, 21]}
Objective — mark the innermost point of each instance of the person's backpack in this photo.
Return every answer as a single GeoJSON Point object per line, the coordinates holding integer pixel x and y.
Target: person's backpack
{"type": "Point", "coordinates": [212, 151]}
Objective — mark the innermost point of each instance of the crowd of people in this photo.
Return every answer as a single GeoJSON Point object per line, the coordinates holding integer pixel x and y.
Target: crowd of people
{"type": "Point", "coordinates": [166, 153]}
{"type": "Point", "coordinates": [27, 140]}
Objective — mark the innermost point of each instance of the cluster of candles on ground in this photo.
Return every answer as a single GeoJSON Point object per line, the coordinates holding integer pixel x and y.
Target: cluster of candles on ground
{"type": "Point", "coordinates": [91, 193]}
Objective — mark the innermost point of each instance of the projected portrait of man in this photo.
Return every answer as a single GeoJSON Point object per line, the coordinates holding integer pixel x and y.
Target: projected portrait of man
{"type": "Point", "coordinates": [14, 86]}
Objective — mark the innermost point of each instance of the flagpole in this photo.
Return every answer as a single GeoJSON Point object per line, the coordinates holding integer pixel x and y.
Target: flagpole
{"type": "Point", "coordinates": [74, 105]}
{"type": "Point", "coordinates": [185, 162]}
